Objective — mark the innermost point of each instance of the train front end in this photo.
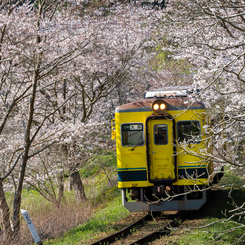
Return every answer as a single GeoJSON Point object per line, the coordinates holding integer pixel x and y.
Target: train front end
{"type": "Point", "coordinates": [160, 149]}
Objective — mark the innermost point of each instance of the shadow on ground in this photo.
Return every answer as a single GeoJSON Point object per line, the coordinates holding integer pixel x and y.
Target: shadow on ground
{"type": "Point", "coordinates": [218, 202]}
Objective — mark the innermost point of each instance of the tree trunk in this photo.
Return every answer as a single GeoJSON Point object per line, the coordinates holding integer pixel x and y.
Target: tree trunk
{"type": "Point", "coordinates": [78, 187]}
{"type": "Point", "coordinates": [6, 226]}
{"type": "Point", "coordinates": [60, 190]}
{"type": "Point", "coordinates": [17, 197]}
{"type": "Point", "coordinates": [27, 144]}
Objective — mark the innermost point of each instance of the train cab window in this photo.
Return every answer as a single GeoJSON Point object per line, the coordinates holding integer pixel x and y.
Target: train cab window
{"type": "Point", "coordinates": [189, 131]}
{"type": "Point", "coordinates": [132, 134]}
{"type": "Point", "coordinates": [160, 134]}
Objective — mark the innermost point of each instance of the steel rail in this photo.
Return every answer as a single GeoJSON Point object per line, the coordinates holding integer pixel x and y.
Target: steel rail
{"type": "Point", "coordinates": [159, 233]}
{"type": "Point", "coordinates": [124, 232]}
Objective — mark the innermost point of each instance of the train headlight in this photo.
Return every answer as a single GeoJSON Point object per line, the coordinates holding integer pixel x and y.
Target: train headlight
{"type": "Point", "coordinates": [159, 107]}
{"type": "Point", "coordinates": [155, 107]}
{"type": "Point", "coordinates": [162, 106]}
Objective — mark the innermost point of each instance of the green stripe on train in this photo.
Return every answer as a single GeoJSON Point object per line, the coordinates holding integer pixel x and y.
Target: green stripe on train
{"type": "Point", "coordinates": [140, 175]}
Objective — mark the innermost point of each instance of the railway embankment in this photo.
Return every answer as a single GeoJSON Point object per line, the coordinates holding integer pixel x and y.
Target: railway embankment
{"type": "Point", "coordinates": [209, 225]}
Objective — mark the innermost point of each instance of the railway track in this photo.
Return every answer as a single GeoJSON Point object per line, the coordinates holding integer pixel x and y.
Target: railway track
{"type": "Point", "coordinates": [142, 231]}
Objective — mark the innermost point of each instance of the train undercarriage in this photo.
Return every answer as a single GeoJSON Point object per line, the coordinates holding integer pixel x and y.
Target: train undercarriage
{"type": "Point", "coordinates": [164, 198]}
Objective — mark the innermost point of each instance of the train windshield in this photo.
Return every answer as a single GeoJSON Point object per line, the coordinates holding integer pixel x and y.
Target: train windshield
{"type": "Point", "coordinates": [161, 134]}
{"type": "Point", "coordinates": [132, 134]}
{"type": "Point", "coordinates": [189, 132]}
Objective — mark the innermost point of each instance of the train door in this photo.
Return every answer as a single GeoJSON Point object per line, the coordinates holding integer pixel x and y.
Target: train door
{"type": "Point", "coordinates": [161, 160]}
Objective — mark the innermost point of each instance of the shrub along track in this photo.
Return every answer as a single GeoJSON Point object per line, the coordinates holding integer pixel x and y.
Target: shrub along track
{"type": "Point", "coordinates": [148, 228]}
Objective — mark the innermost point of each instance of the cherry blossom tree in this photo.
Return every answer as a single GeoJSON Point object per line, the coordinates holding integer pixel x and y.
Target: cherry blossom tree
{"type": "Point", "coordinates": [210, 36]}
{"type": "Point", "coordinates": [58, 61]}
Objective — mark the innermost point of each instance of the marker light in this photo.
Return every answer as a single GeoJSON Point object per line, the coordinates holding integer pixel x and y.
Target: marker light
{"type": "Point", "coordinates": [159, 107]}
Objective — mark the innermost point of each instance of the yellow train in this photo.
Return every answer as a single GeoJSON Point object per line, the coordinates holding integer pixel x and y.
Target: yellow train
{"type": "Point", "coordinates": [161, 152]}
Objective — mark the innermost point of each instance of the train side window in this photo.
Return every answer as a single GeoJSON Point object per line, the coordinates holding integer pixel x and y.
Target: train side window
{"type": "Point", "coordinates": [132, 134]}
{"type": "Point", "coordinates": [160, 134]}
{"type": "Point", "coordinates": [188, 131]}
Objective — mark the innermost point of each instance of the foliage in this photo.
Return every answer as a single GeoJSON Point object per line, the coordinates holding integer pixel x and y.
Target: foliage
{"type": "Point", "coordinates": [66, 65]}
{"type": "Point", "coordinates": [174, 72]}
{"type": "Point", "coordinates": [105, 161]}
{"type": "Point", "coordinates": [233, 178]}
{"type": "Point", "coordinates": [209, 35]}
{"type": "Point", "coordinates": [101, 180]}
{"type": "Point", "coordinates": [58, 62]}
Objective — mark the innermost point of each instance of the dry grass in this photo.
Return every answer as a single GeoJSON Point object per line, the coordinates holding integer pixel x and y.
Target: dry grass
{"type": "Point", "coordinates": [53, 222]}
{"type": "Point", "coordinates": [50, 221]}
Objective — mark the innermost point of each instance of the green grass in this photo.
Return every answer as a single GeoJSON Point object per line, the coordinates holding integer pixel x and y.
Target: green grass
{"type": "Point", "coordinates": [213, 235]}
{"type": "Point", "coordinates": [106, 198]}
{"type": "Point", "coordinates": [111, 210]}
{"type": "Point", "coordinates": [31, 201]}
{"type": "Point", "coordinates": [100, 222]}
{"type": "Point", "coordinates": [215, 212]}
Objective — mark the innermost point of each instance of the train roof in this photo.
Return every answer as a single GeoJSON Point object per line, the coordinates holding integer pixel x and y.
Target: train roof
{"type": "Point", "coordinates": [180, 91]}
{"type": "Point", "coordinates": [175, 98]}
{"type": "Point", "coordinates": [180, 103]}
